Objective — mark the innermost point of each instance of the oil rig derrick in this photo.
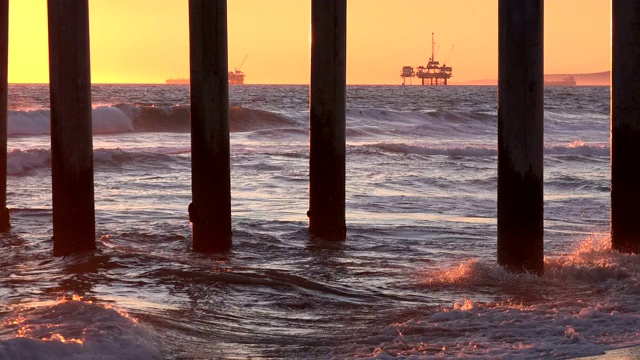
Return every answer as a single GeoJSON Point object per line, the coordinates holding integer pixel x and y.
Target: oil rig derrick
{"type": "Point", "coordinates": [433, 73]}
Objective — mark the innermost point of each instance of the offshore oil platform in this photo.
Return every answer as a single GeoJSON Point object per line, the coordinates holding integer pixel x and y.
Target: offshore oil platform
{"type": "Point", "coordinates": [433, 73]}
{"type": "Point", "coordinates": [236, 77]}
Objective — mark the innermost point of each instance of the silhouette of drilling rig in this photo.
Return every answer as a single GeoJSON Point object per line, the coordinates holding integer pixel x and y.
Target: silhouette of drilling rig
{"type": "Point", "coordinates": [433, 73]}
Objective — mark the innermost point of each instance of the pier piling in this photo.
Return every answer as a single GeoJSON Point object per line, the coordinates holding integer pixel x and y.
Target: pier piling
{"type": "Point", "coordinates": [625, 126]}
{"type": "Point", "coordinates": [520, 135]}
{"type": "Point", "coordinates": [210, 211]}
{"type": "Point", "coordinates": [327, 119]}
{"type": "Point", "coordinates": [4, 60]}
{"type": "Point", "coordinates": [71, 128]}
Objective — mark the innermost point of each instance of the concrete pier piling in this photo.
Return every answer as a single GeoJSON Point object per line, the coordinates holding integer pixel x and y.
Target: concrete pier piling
{"type": "Point", "coordinates": [327, 119]}
{"type": "Point", "coordinates": [4, 59]}
{"type": "Point", "coordinates": [71, 127]}
{"type": "Point", "coordinates": [625, 126]}
{"type": "Point", "coordinates": [520, 135]}
{"type": "Point", "coordinates": [210, 211]}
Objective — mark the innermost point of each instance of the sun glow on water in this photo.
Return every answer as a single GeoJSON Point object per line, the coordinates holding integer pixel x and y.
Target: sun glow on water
{"type": "Point", "coordinates": [575, 144]}
{"type": "Point", "coordinates": [60, 338]}
{"type": "Point", "coordinates": [50, 321]}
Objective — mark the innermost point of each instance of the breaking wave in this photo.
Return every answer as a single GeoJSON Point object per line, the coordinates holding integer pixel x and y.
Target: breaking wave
{"type": "Point", "coordinates": [573, 149]}
{"type": "Point", "coordinates": [74, 329]}
{"type": "Point", "coordinates": [20, 161]}
{"type": "Point", "coordinates": [126, 118]}
{"type": "Point", "coordinates": [585, 302]}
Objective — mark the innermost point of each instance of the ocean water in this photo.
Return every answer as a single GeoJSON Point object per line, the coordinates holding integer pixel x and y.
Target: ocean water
{"type": "Point", "coordinates": [416, 277]}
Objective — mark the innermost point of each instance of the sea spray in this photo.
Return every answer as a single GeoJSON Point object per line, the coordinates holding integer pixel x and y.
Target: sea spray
{"type": "Point", "coordinates": [74, 329]}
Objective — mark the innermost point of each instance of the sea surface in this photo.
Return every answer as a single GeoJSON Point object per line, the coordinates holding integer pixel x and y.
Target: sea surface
{"type": "Point", "coordinates": [416, 277]}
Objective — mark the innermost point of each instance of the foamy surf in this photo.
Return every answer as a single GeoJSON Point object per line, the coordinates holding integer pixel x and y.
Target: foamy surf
{"type": "Point", "coordinates": [74, 329]}
{"type": "Point", "coordinates": [584, 303]}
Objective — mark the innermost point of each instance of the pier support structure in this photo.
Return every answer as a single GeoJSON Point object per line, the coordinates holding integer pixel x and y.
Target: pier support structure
{"type": "Point", "coordinates": [625, 126]}
{"type": "Point", "coordinates": [71, 128]}
{"type": "Point", "coordinates": [327, 119]}
{"type": "Point", "coordinates": [520, 135]}
{"type": "Point", "coordinates": [210, 210]}
{"type": "Point", "coordinates": [4, 60]}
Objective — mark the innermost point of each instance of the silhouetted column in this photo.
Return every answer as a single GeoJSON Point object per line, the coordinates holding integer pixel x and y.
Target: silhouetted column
{"type": "Point", "coordinates": [625, 126]}
{"type": "Point", "coordinates": [327, 118]}
{"type": "Point", "coordinates": [4, 56]}
{"type": "Point", "coordinates": [520, 135]}
{"type": "Point", "coordinates": [71, 137]}
{"type": "Point", "coordinates": [210, 211]}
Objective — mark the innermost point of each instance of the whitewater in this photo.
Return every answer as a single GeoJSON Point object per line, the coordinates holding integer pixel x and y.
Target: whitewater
{"type": "Point", "coordinates": [416, 278]}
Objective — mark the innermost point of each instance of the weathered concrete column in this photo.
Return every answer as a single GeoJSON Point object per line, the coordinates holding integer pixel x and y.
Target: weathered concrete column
{"type": "Point", "coordinates": [625, 126]}
{"type": "Point", "coordinates": [210, 211]}
{"type": "Point", "coordinates": [4, 58]}
{"type": "Point", "coordinates": [71, 137]}
{"type": "Point", "coordinates": [520, 135]}
{"type": "Point", "coordinates": [327, 117]}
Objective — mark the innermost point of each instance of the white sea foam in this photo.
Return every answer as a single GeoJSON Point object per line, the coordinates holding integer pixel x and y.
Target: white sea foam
{"type": "Point", "coordinates": [585, 302]}
{"type": "Point", "coordinates": [75, 329]}
{"type": "Point", "coordinates": [502, 330]}
{"type": "Point", "coordinates": [29, 122]}
{"type": "Point", "coordinates": [19, 161]}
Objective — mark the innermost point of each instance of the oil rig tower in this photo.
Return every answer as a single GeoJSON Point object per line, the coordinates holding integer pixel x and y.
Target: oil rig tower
{"type": "Point", "coordinates": [433, 73]}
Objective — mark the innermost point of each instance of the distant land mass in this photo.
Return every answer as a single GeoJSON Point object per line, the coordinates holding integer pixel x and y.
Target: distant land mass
{"type": "Point", "coordinates": [583, 79]}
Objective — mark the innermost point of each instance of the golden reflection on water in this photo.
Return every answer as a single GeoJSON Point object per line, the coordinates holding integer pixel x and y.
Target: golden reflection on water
{"type": "Point", "coordinates": [455, 274]}
{"type": "Point", "coordinates": [60, 338]}
{"type": "Point", "coordinates": [50, 331]}
{"type": "Point", "coordinates": [355, 215]}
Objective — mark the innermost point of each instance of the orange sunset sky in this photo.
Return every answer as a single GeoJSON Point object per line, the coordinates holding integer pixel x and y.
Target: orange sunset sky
{"type": "Point", "coordinates": [147, 41]}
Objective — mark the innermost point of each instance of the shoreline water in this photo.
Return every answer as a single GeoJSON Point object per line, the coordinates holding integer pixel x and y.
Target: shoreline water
{"type": "Point", "coordinates": [416, 275]}
{"type": "Point", "coordinates": [628, 353]}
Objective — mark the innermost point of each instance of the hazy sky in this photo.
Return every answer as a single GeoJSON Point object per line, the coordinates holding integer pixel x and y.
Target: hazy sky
{"type": "Point", "coordinates": [147, 41]}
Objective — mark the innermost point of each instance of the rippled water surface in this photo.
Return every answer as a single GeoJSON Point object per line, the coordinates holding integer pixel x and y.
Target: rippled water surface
{"type": "Point", "coordinates": [416, 276]}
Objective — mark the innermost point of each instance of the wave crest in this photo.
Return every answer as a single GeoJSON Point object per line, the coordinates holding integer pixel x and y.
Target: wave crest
{"type": "Point", "coordinates": [125, 118]}
{"type": "Point", "coordinates": [76, 329]}
{"type": "Point", "coordinates": [574, 149]}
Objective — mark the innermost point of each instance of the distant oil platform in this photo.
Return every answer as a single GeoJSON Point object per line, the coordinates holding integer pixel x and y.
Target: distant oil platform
{"type": "Point", "coordinates": [433, 73]}
{"type": "Point", "coordinates": [236, 77]}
